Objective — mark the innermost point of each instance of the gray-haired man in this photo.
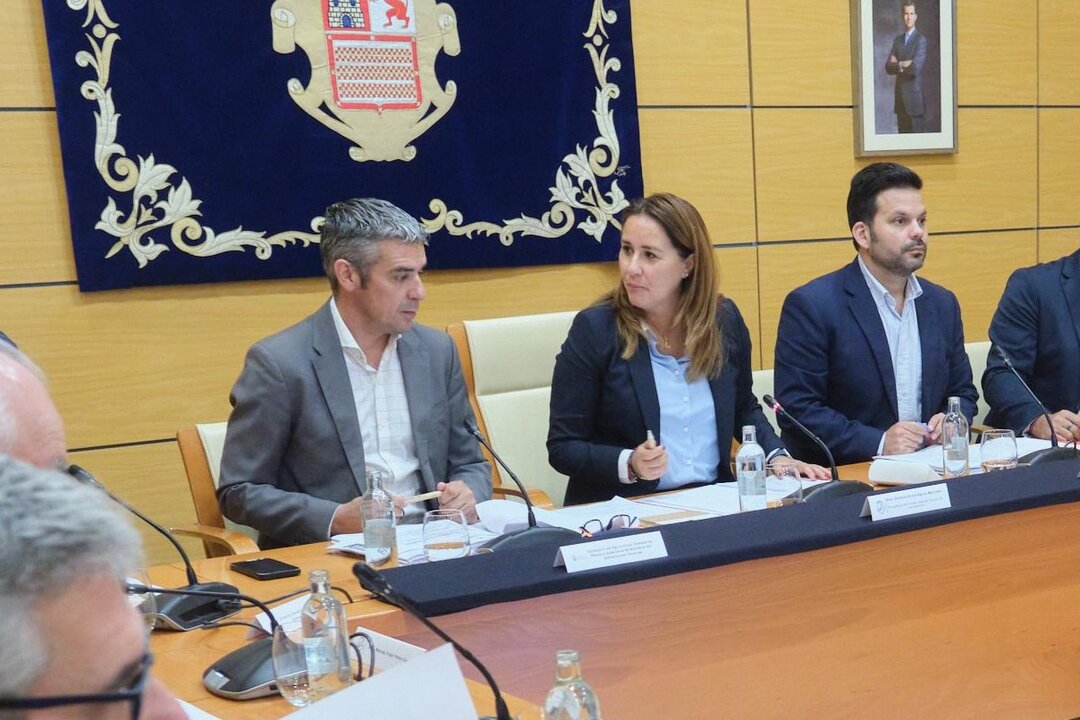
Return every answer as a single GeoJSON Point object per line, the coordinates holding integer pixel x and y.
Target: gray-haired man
{"type": "Point", "coordinates": [356, 385]}
{"type": "Point", "coordinates": [73, 646]}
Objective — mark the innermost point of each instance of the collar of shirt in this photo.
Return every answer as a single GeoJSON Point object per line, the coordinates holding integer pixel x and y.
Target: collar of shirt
{"type": "Point", "coordinates": [881, 295]}
{"type": "Point", "coordinates": [348, 343]}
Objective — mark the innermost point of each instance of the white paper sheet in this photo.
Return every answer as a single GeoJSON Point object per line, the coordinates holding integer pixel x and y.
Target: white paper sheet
{"type": "Point", "coordinates": [932, 455]}
{"type": "Point", "coordinates": [428, 686]}
{"type": "Point", "coordinates": [410, 540]}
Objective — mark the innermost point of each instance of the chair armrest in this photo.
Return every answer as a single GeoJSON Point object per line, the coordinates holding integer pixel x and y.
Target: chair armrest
{"type": "Point", "coordinates": [538, 497]}
{"type": "Point", "coordinates": [978, 429]}
{"type": "Point", "coordinates": [235, 543]}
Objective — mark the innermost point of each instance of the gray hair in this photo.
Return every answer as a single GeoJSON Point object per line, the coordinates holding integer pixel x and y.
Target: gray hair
{"type": "Point", "coordinates": [53, 531]}
{"type": "Point", "coordinates": [9, 427]}
{"type": "Point", "coordinates": [352, 230]}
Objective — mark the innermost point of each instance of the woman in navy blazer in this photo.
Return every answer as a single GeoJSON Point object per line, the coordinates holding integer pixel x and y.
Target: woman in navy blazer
{"type": "Point", "coordinates": [660, 362]}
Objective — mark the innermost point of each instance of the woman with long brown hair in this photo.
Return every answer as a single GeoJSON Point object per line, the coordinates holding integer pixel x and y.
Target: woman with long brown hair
{"type": "Point", "coordinates": [654, 380]}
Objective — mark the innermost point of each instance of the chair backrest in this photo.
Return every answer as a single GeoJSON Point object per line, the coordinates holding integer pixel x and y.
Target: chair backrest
{"type": "Point", "coordinates": [508, 364]}
{"type": "Point", "coordinates": [200, 448]}
{"type": "Point", "coordinates": [977, 352]}
{"type": "Point", "coordinates": [763, 385]}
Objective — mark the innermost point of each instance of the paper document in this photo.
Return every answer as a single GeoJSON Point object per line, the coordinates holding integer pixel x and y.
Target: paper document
{"type": "Point", "coordinates": [933, 455]}
{"type": "Point", "coordinates": [410, 541]}
{"type": "Point", "coordinates": [428, 686]}
{"type": "Point", "coordinates": [575, 516]}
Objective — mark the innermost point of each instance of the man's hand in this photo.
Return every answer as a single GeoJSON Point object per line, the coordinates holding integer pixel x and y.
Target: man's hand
{"type": "Point", "coordinates": [347, 518]}
{"type": "Point", "coordinates": [456, 495]}
{"type": "Point", "coordinates": [933, 429]}
{"type": "Point", "coordinates": [904, 437]}
{"type": "Point", "coordinates": [1066, 426]}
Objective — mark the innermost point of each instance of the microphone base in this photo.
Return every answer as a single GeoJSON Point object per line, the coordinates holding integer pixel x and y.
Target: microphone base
{"type": "Point", "coordinates": [244, 674]}
{"type": "Point", "coordinates": [186, 612]}
{"type": "Point", "coordinates": [837, 488]}
{"type": "Point", "coordinates": [1050, 455]}
{"type": "Point", "coordinates": [531, 537]}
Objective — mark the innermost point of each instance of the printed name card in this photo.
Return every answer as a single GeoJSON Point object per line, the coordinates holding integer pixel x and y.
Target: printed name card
{"type": "Point", "coordinates": [612, 551]}
{"type": "Point", "coordinates": [907, 502]}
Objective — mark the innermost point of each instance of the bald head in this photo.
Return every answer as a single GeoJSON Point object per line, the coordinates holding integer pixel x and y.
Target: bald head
{"type": "Point", "coordinates": [30, 425]}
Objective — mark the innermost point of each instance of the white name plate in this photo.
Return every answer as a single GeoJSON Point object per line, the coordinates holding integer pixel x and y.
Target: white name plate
{"type": "Point", "coordinates": [907, 502]}
{"type": "Point", "coordinates": [611, 552]}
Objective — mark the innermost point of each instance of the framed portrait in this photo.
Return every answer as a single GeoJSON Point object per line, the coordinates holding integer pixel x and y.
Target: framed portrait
{"type": "Point", "coordinates": [904, 76]}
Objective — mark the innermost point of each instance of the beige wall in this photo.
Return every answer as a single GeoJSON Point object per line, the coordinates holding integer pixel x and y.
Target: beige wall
{"type": "Point", "coordinates": [747, 116]}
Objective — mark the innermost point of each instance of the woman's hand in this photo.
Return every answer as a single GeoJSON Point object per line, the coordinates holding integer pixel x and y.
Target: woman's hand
{"type": "Point", "coordinates": [814, 472]}
{"type": "Point", "coordinates": [649, 460]}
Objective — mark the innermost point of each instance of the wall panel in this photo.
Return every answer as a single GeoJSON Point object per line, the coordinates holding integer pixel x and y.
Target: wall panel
{"type": "Point", "coordinates": [739, 281]}
{"type": "Point", "coordinates": [35, 242]}
{"type": "Point", "coordinates": [1059, 166]}
{"type": "Point", "coordinates": [1059, 28]}
{"type": "Point", "coordinates": [997, 56]}
{"type": "Point", "coordinates": [24, 58]}
{"type": "Point", "coordinates": [1054, 244]}
{"type": "Point", "coordinates": [705, 156]}
{"type": "Point", "coordinates": [801, 53]}
{"type": "Point", "coordinates": [691, 53]}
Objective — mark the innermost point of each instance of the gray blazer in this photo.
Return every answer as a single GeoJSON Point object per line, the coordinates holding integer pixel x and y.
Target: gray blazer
{"type": "Point", "coordinates": [293, 450]}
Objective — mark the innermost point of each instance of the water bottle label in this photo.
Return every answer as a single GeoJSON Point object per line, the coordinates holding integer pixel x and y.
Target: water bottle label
{"type": "Point", "coordinates": [319, 655]}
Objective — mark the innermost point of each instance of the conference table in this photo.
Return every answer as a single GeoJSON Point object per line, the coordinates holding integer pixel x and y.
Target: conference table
{"type": "Point", "coordinates": [976, 618]}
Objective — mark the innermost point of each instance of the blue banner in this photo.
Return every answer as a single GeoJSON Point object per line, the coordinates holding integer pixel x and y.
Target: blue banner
{"type": "Point", "coordinates": [201, 141]}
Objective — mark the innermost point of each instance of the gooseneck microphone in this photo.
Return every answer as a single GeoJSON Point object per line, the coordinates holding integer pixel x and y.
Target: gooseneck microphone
{"type": "Point", "coordinates": [247, 672]}
{"type": "Point", "coordinates": [185, 610]}
{"type": "Point", "coordinates": [376, 583]}
{"type": "Point", "coordinates": [1054, 452]}
{"type": "Point", "coordinates": [533, 534]}
{"type": "Point", "coordinates": [834, 487]}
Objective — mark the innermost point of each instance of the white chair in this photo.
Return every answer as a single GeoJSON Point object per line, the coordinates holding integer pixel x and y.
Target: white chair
{"type": "Point", "coordinates": [508, 363]}
{"type": "Point", "coordinates": [200, 449]}
{"type": "Point", "coordinates": [977, 352]}
{"type": "Point", "coordinates": [763, 385]}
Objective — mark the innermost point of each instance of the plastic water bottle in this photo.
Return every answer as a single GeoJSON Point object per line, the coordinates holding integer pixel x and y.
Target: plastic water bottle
{"type": "Point", "coordinates": [377, 508]}
{"type": "Point", "coordinates": [326, 639]}
{"type": "Point", "coordinates": [750, 471]}
{"type": "Point", "coordinates": [571, 698]}
{"type": "Point", "coordinates": [954, 441]}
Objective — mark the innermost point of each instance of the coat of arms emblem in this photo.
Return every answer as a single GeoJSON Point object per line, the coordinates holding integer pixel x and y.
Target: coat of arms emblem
{"type": "Point", "coordinates": [372, 68]}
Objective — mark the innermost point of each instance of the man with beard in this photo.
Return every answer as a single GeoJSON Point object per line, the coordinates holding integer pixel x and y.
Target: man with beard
{"type": "Point", "coordinates": [867, 356]}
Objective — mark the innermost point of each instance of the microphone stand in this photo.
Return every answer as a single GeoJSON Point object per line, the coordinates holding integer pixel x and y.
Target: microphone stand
{"type": "Point", "coordinates": [1054, 452]}
{"type": "Point", "coordinates": [375, 582]}
{"type": "Point", "coordinates": [533, 534]}
{"type": "Point", "coordinates": [835, 487]}
{"type": "Point", "coordinates": [183, 612]}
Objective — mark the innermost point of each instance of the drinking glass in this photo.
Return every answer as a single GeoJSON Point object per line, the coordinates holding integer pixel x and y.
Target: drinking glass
{"type": "Point", "coordinates": [446, 534]}
{"type": "Point", "coordinates": [997, 450]}
{"type": "Point", "coordinates": [782, 486]}
{"type": "Point", "coordinates": [290, 667]}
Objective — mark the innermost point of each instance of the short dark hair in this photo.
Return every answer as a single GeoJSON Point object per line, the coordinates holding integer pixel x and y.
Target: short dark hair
{"type": "Point", "coordinates": [870, 182]}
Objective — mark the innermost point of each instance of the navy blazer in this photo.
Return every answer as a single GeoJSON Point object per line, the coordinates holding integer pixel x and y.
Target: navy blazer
{"type": "Point", "coordinates": [833, 371]}
{"type": "Point", "coordinates": [908, 95]}
{"type": "Point", "coordinates": [1037, 324]}
{"type": "Point", "coordinates": [602, 404]}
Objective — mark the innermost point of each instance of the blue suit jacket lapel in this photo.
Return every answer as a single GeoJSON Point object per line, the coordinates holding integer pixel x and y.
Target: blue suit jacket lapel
{"type": "Point", "coordinates": [329, 366]}
{"type": "Point", "coordinates": [864, 309]}
{"type": "Point", "coordinates": [641, 376]}
{"type": "Point", "coordinates": [933, 356]}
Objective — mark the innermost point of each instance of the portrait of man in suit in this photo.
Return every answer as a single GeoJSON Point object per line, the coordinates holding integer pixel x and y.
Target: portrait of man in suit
{"type": "Point", "coordinates": [907, 62]}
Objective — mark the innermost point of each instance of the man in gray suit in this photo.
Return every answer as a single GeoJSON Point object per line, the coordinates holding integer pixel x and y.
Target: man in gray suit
{"type": "Point", "coordinates": [356, 386]}
{"type": "Point", "coordinates": [906, 61]}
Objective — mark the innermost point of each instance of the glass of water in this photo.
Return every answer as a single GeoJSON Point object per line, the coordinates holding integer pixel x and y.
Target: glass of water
{"type": "Point", "coordinates": [446, 535]}
{"type": "Point", "coordinates": [997, 450]}
{"type": "Point", "coordinates": [783, 486]}
{"type": "Point", "coordinates": [290, 667]}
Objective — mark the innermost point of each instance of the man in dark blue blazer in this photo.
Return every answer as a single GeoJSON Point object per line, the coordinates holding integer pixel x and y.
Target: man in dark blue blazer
{"type": "Point", "coordinates": [867, 356]}
{"type": "Point", "coordinates": [1037, 324]}
{"type": "Point", "coordinates": [907, 59]}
